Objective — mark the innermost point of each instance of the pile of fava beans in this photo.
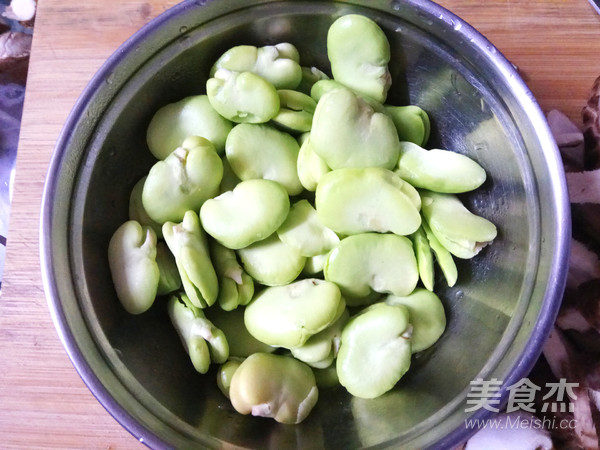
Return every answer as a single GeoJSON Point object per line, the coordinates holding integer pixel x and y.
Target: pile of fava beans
{"type": "Point", "coordinates": [293, 222]}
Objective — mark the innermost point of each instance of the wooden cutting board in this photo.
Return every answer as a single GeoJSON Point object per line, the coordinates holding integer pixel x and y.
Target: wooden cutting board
{"type": "Point", "coordinates": [43, 403]}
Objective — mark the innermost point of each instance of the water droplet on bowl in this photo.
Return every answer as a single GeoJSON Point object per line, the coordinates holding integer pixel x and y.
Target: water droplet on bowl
{"type": "Point", "coordinates": [396, 5]}
{"type": "Point", "coordinates": [183, 29]}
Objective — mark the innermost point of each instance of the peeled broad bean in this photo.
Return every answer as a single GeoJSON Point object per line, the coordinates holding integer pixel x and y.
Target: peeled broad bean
{"type": "Point", "coordinates": [225, 374]}
{"type": "Point", "coordinates": [271, 262]}
{"type": "Point", "coordinates": [242, 97]}
{"type": "Point", "coordinates": [169, 280]}
{"type": "Point", "coordinates": [412, 123]}
{"type": "Point", "coordinates": [133, 267]}
{"type": "Point", "coordinates": [241, 343]}
{"type": "Point", "coordinates": [262, 151]}
{"type": "Point", "coordinates": [359, 53]}
{"type": "Point", "coordinates": [424, 258]}
{"type": "Point", "coordinates": [296, 111]}
{"type": "Point", "coordinates": [137, 211]}
{"type": "Point", "coordinates": [269, 385]}
{"type": "Point", "coordinates": [315, 264]}
{"type": "Point", "coordinates": [189, 246]}
{"type": "Point", "coordinates": [367, 262]}
{"type": "Point", "coordinates": [426, 315]}
{"type": "Point", "coordinates": [304, 231]}
{"type": "Point", "coordinates": [183, 181]}
{"type": "Point", "coordinates": [310, 75]}
{"type": "Point", "coordinates": [348, 132]}
{"type": "Point", "coordinates": [311, 167]}
{"type": "Point", "coordinates": [191, 116]}
{"type": "Point", "coordinates": [236, 287]}
{"type": "Point", "coordinates": [278, 64]}
{"type": "Point", "coordinates": [320, 350]}
{"type": "Point", "coordinates": [442, 256]}
{"type": "Point", "coordinates": [460, 231]}
{"type": "Point", "coordinates": [438, 170]}
{"type": "Point", "coordinates": [252, 211]}
{"type": "Point", "coordinates": [230, 179]}
{"type": "Point", "coordinates": [286, 316]}
{"type": "Point", "coordinates": [321, 87]}
{"type": "Point", "coordinates": [327, 377]}
{"type": "Point", "coordinates": [375, 351]}
{"type": "Point", "coordinates": [351, 201]}
{"type": "Point", "coordinates": [204, 342]}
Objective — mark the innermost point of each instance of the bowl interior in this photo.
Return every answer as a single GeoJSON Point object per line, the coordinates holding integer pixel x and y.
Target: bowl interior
{"type": "Point", "coordinates": [498, 312]}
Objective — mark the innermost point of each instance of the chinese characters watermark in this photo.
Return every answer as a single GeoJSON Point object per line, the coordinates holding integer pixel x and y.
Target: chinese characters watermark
{"type": "Point", "coordinates": [557, 397]}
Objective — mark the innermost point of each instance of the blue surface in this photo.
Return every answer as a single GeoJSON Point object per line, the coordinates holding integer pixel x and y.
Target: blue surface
{"type": "Point", "coordinates": [11, 109]}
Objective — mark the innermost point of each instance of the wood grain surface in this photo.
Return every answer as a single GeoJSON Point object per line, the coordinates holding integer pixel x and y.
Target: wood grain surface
{"type": "Point", "coordinates": [43, 402]}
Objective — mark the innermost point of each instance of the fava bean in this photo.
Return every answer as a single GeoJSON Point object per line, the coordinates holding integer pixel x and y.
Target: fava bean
{"type": "Point", "coordinates": [183, 181]}
{"type": "Point", "coordinates": [296, 111]}
{"type": "Point", "coordinates": [375, 351]}
{"type": "Point", "coordinates": [204, 342]}
{"type": "Point", "coordinates": [359, 53]}
{"type": "Point", "coordinates": [169, 280]}
{"type": "Point", "coordinates": [236, 287]}
{"type": "Point", "coordinates": [321, 87]}
{"type": "Point", "coordinates": [412, 123]}
{"type": "Point", "coordinates": [438, 170]}
{"type": "Point", "coordinates": [442, 256]}
{"type": "Point", "coordinates": [310, 75]}
{"type": "Point", "coordinates": [367, 262]}
{"type": "Point", "coordinates": [278, 64]}
{"type": "Point", "coordinates": [320, 350]}
{"type": "Point", "coordinates": [426, 315]}
{"type": "Point", "coordinates": [315, 264]}
{"type": "Point", "coordinates": [190, 116]}
{"type": "Point", "coordinates": [230, 179]}
{"type": "Point", "coordinates": [351, 201]}
{"type": "Point", "coordinates": [460, 231]}
{"type": "Point", "coordinates": [424, 258]}
{"type": "Point", "coordinates": [189, 246]}
{"type": "Point", "coordinates": [225, 374]}
{"type": "Point", "coordinates": [276, 386]}
{"type": "Point", "coordinates": [137, 211]}
{"type": "Point", "coordinates": [311, 167]}
{"type": "Point", "coordinates": [242, 97]}
{"type": "Point", "coordinates": [303, 231]}
{"type": "Point", "coordinates": [252, 211]}
{"type": "Point", "coordinates": [327, 377]}
{"type": "Point", "coordinates": [286, 316]}
{"type": "Point", "coordinates": [348, 132]}
{"type": "Point", "coordinates": [133, 267]}
{"type": "Point", "coordinates": [262, 151]}
{"type": "Point", "coordinates": [241, 343]}
{"type": "Point", "coordinates": [271, 262]}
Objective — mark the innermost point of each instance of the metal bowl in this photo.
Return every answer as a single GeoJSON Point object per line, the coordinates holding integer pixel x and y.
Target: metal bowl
{"type": "Point", "coordinates": [499, 312]}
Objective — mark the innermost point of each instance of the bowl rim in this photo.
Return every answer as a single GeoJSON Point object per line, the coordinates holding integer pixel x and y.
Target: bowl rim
{"type": "Point", "coordinates": [557, 273]}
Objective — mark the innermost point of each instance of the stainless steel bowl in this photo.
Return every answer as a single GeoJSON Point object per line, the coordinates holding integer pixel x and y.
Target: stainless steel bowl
{"type": "Point", "coordinates": [499, 312]}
